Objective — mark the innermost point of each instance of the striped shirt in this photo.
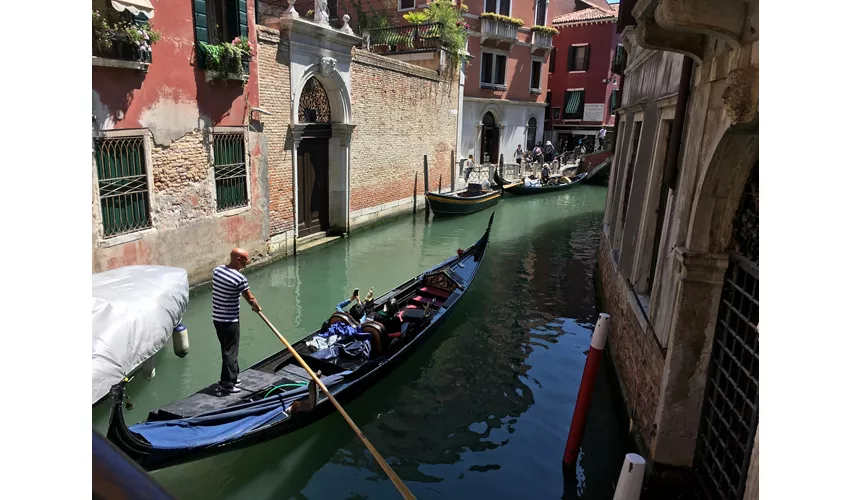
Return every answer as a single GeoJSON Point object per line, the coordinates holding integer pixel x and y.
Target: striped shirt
{"type": "Point", "coordinates": [228, 284]}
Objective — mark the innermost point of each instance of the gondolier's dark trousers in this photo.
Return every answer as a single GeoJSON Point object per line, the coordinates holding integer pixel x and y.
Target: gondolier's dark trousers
{"type": "Point", "coordinates": [228, 337]}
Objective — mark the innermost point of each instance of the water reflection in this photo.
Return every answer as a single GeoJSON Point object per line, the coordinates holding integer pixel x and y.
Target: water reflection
{"type": "Point", "coordinates": [481, 409]}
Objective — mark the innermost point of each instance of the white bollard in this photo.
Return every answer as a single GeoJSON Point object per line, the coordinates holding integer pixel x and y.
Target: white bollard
{"type": "Point", "coordinates": [149, 368]}
{"type": "Point", "coordinates": [631, 478]}
{"type": "Point", "coordinates": [180, 337]}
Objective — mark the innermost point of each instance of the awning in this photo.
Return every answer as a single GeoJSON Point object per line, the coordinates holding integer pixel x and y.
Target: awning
{"type": "Point", "coordinates": [573, 102]}
{"type": "Point", "coordinates": [135, 7]}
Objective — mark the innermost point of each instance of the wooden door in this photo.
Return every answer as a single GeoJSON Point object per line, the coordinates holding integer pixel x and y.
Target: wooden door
{"type": "Point", "coordinates": [313, 192]}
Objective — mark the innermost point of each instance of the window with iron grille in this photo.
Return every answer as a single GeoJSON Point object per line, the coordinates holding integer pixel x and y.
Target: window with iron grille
{"type": "Point", "coordinates": [579, 59]}
{"type": "Point", "coordinates": [231, 174]}
{"type": "Point", "coordinates": [122, 174]}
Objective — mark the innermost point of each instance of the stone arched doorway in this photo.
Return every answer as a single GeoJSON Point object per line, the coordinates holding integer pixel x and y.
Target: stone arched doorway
{"type": "Point", "coordinates": [530, 134]}
{"type": "Point", "coordinates": [313, 201]}
{"type": "Point", "coordinates": [489, 138]}
{"type": "Point", "coordinates": [321, 136]}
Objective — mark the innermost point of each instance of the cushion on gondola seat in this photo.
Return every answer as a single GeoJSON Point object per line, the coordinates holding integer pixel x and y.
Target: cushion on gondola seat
{"type": "Point", "coordinates": [342, 316]}
{"type": "Point", "coordinates": [379, 337]}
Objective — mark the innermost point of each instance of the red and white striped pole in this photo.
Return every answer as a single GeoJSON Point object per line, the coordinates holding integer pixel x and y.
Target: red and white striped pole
{"type": "Point", "coordinates": [585, 391]}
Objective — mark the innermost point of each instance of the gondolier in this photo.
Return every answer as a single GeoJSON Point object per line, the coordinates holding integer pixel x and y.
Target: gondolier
{"type": "Point", "coordinates": [228, 284]}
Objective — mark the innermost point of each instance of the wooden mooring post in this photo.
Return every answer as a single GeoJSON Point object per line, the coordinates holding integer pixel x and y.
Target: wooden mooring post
{"type": "Point", "coordinates": [502, 165]}
{"type": "Point", "coordinates": [415, 189]}
{"type": "Point", "coordinates": [440, 184]}
{"type": "Point", "coordinates": [454, 167]}
{"type": "Point", "coordinates": [427, 186]}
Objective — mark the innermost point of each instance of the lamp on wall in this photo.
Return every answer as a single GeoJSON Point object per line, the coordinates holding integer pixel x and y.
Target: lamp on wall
{"type": "Point", "coordinates": [609, 80]}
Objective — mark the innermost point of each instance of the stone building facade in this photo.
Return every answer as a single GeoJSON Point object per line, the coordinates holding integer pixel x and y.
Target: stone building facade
{"type": "Point", "coordinates": [678, 261]}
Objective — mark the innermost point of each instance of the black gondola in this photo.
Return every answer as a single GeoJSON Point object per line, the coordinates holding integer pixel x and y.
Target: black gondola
{"type": "Point", "coordinates": [463, 201]}
{"type": "Point", "coordinates": [208, 423]}
{"type": "Point", "coordinates": [519, 187]}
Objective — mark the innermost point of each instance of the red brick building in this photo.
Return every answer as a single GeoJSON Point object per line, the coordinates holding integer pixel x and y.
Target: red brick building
{"type": "Point", "coordinates": [583, 91]}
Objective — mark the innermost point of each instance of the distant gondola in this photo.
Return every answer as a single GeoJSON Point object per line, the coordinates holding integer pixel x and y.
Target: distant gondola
{"type": "Point", "coordinates": [519, 187]}
{"type": "Point", "coordinates": [463, 201]}
{"type": "Point", "coordinates": [206, 423]}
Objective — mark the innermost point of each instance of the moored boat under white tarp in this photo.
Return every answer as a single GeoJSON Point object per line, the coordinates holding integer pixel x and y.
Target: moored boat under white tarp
{"type": "Point", "coordinates": [134, 311]}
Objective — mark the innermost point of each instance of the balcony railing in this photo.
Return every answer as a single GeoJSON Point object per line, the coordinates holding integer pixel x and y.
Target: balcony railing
{"type": "Point", "coordinates": [418, 38]}
{"type": "Point", "coordinates": [499, 30]}
{"type": "Point", "coordinates": [121, 49]}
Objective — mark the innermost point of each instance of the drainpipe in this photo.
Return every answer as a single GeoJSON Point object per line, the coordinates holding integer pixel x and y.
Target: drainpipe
{"type": "Point", "coordinates": [671, 165]}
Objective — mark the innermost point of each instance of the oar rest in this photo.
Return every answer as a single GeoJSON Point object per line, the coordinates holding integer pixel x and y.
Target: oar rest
{"type": "Point", "coordinates": [379, 336]}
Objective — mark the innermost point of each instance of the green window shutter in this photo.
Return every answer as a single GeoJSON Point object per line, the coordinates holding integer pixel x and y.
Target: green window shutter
{"type": "Point", "coordinates": [586, 57]}
{"type": "Point", "coordinates": [201, 35]}
{"type": "Point", "coordinates": [243, 18]}
{"type": "Point", "coordinates": [571, 61]}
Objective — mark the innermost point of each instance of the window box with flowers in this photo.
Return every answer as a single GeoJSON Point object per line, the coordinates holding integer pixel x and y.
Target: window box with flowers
{"type": "Point", "coordinates": [499, 27]}
{"type": "Point", "coordinates": [122, 41]}
{"type": "Point", "coordinates": [541, 36]}
{"type": "Point", "coordinates": [227, 60]}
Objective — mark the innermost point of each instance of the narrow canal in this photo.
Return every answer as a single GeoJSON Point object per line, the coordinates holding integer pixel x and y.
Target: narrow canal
{"type": "Point", "coordinates": [481, 410]}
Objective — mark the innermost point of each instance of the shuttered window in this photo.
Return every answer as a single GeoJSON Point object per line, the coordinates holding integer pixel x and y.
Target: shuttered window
{"type": "Point", "coordinates": [552, 60]}
{"type": "Point", "coordinates": [579, 58]}
{"type": "Point", "coordinates": [219, 21]}
{"type": "Point", "coordinates": [573, 104]}
{"type": "Point", "coordinates": [614, 101]}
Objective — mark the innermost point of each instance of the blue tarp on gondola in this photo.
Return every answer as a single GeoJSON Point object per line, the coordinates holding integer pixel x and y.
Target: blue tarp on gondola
{"type": "Point", "coordinates": [205, 431]}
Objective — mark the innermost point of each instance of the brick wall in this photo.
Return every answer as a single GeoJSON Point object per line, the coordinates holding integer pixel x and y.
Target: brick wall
{"type": "Point", "coordinates": [637, 357]}
{"type": "Point", "coordinates": [187, 230]}
{"type": "Point", "coordinates": [273, 61]}
{"type": "Point", "coordinates": [402, 112]}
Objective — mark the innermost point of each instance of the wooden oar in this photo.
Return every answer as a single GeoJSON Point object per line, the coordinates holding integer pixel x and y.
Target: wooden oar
{"type": "Point", "coordinates": [399, 484]}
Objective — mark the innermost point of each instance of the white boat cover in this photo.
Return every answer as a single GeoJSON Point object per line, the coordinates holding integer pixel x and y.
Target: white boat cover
{"type": "Point", "coordinates": [134, 311]}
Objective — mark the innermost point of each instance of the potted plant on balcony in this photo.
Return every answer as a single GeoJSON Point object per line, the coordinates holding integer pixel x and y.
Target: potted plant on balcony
{"type": "Point", "coordinates": [124, 40]}
{"type": "Point", "coordinates": [228, 60]}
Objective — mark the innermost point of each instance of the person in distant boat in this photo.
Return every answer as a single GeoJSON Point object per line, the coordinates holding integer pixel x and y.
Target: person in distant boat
{"type": "Point", "coordinates": [358, 310]}
{"type": "Point", "coordinates": [228, 284]}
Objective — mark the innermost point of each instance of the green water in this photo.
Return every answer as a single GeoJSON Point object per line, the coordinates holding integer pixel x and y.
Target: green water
{"type": "Point", "coordinates": [482, 409]}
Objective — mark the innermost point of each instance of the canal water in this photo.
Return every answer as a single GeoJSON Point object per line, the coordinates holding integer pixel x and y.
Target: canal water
{"type": "Point", "coordinates": [482, 409]}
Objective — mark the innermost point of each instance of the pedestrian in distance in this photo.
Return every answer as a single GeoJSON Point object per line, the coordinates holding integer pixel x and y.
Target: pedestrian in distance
{"type": "Point", "coordinates": [228, 284]}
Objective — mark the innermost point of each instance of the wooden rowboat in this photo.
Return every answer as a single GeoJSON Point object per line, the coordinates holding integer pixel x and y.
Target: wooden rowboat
{"type": "Point", "coordinates": [463, 201]}
{"type": "Point", "coordinates": [519, 187]}
{"type": "Point", "coordinates": [207, 423]}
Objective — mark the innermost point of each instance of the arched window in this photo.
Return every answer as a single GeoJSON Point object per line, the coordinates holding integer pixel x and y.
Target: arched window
{"type": "Point", "coordinates": [530, 133]}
